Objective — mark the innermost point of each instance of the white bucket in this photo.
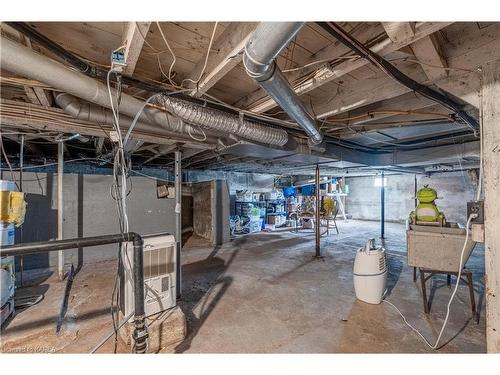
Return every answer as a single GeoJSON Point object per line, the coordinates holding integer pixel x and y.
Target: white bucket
{"type": "Point", "coordinates": [7, 234]}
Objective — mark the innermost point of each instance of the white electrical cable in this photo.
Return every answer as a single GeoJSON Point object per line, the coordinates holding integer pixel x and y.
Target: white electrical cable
{"type": "Point", "coordinates": [202, 139]}
{"type": "Point", "coordinates": [435, 346]}
{"type": "Point", "coordinates": [106, 338]}
{"type": "Point", "coordinates": [206, 59]}
{"type": "Point", "coordinates": [480, 178]}
{"type": "Point", "coordinates": [139, 112]}
{"type": "Point", "coordinates": [174, 58]}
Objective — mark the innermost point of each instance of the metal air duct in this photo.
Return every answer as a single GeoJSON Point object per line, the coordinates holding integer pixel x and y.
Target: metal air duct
{"type": "Point", "coordinates": [93, 113]}
{"type": "Point", "coordinates": [24, 61]}
{"type": "Point", "coordinates": [266, 43]}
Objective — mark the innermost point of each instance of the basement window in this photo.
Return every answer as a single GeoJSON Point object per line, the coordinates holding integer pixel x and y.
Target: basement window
{"type": "Point", "coordinates": [378, 181]}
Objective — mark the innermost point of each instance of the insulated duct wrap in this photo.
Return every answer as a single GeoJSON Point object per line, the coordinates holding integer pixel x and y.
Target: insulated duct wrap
{"type": "Point", "coordinates": [93, 113]}
{"type": "Point", "coordinates": [224, 122]}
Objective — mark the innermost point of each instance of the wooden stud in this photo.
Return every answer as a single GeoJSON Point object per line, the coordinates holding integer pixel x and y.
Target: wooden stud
{"type": "Point", "coordinates": [399, 32]}
{"type": "Point", "coordinates": [133, 41]}
{"type": "Point", "coordinates": [226, 53]}
{"type": "Point", "coordinates": [491, 174]}
{"type": "Point", "coordinates": [428, 52]}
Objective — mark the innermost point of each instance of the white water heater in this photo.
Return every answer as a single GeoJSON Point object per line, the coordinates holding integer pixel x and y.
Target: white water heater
{"type": "Point", "coordinates": [370, 273]}
{"type": "Point", "coordinates": [159, 275]}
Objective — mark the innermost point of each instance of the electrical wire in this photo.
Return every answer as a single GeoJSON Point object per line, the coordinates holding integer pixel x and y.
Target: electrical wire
{"type": "Point", "coordinates": [399, 76]}
{"type": "Point", "coordinates": [119, 186]}
{"type": "Point", "coordinates": [435, 346]}
{"type": "Point", "coordinates": [480, 179]}
{"type": "Point", "coordinates": [174, 58]}
{"type": "Point", "coordinates": [395, 112]}
{"type": "Point", "coordinates": [202, 139]}
{"type": "Point", "coordinates": [434, 66]}
{"type": "Point", "coordinates": [106, 338]}
{"type": "Point", "coordinates": [322, 61]}
{"type": "Point", "coordinates": [8, 162]}
{"type": "Point", "coordinates": [139, 112]}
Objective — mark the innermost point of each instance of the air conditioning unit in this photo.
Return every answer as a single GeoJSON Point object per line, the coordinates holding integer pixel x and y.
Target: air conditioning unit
{"type": "Point", "coordinates": [159, 274]}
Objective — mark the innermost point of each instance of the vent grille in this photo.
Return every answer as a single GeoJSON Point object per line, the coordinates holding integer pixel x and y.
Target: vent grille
{"type": "Point", "coordinates": [381, 263]}
{"type": "Point", "coordinates": [158, 262]}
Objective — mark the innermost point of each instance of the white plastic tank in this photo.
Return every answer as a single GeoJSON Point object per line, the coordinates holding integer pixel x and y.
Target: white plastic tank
{"type": "Point", "coordinates": [370, 273]}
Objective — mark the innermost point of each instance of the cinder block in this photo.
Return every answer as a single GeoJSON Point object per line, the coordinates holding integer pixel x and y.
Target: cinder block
{"type": "Point", "coordinates": [166, 330]}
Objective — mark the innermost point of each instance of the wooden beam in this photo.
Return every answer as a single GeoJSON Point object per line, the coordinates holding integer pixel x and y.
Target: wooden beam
{"type": "Point", "coordinates": [133, 41]}
{"type": "Point", "coordinates": [327, 74]}
{"type": "Point", "coordinates": [44, 96]}
{"type": "Point", "coordinates": [225, 55]}
{"type": "Point", "coordinates": [399, 32]}
{"type": "Point", "coordinates": [463, 85]}
{"type": "Point", "coordinates": [35, 149]}
{"type": "Point", "coordinates": [36, 95]}
{"type": "Point", "coordinates": [491, 172]}
{"type": "Point", "coordinates": [99, 145]}
{"type": "Point", "coordinates": [30, 93]}
{"type": "Point", "coordinates": [428, 52]}
{"type": "Point", "coordinates": [406, 102]}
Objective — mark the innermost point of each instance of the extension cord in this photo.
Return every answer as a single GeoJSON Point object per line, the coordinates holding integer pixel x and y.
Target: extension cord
{"type": "Point", "coordinates": [435, 346]}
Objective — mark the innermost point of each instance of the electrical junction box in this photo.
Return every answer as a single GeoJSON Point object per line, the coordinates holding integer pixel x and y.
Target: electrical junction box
{"type": "Point", "coordinates": [118, 62]}
{"type": "Point", "coordinates": [159, 275]}
{"type": "Point", "coordinates": [476, 207]}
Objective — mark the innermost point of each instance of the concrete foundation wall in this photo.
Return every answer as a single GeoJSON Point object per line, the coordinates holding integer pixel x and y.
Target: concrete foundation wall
{"type": "Point", "coordinates": [211, 211]}
{"type": "Point", "coordinates": [202, 209]}
{"type": "Point", "coordinates": [454, 190]}
{"type": "Point", "coordinates": [89, 210]}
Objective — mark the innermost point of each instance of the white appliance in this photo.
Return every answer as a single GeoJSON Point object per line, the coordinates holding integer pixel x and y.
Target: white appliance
{"type": "Point", "coordinates": [370, 273]}
{"type": "Point", "coordinates": [159, 275]}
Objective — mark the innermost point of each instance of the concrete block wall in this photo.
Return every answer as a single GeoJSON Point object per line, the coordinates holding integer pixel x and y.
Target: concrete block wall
{"type": "Point", "coordinates": [89, 210]}
{"type": "Point", "coordinates": [454, 190]}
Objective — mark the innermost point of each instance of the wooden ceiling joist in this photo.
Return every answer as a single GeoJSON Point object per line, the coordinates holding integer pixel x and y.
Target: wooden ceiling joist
{"type": "Point", "coordinates": [133, 41]}
{"type": "Point", "coordinates": [428, 52]}
{"type": "Point", "coordinates": [326, 74]}
{"type": "Point", "coordinates": [399, 32]}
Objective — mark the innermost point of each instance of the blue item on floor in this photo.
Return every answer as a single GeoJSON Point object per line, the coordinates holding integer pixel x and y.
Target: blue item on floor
{"type": "Point", "coordinates": [308, 190]}
{"type": "Point", "coordinates": [288, 192]}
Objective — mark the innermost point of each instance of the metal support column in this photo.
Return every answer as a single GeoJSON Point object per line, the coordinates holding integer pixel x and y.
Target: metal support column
{"type": "Point", "coordinates": [178, 219]}
{"type": "Point", "coordinates": [382, 207]}
{"type": "Point", "coordinates": [60, 173]}
{"type": "Point", "coordinates": [317, 223]}
{"type": "Point", "coordinates": [415, 188]}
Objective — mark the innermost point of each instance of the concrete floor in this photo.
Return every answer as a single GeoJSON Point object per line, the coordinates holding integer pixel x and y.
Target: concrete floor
{"type": "Point", "coordinates": [265, 293]}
